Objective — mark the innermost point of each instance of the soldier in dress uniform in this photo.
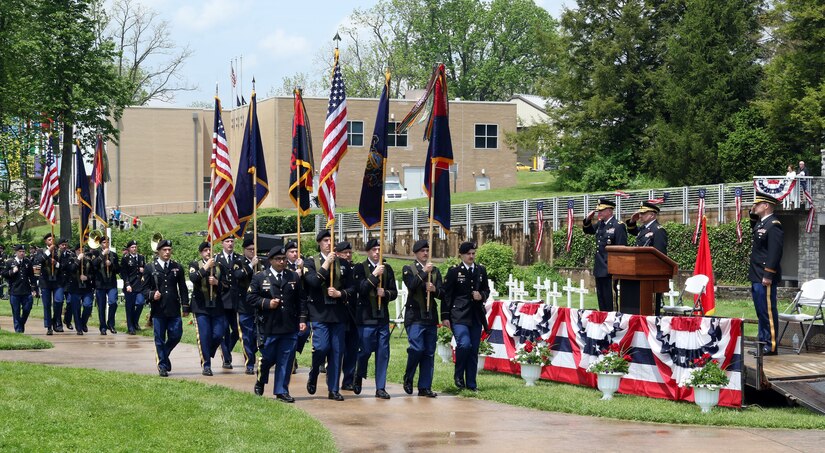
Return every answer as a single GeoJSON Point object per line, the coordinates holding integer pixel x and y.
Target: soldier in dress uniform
{"type": "Point", "coordinates": [343, 250]}
{"type": "Point", "coordinates": [295, 263]}
{"type": "Point", "coordinates": [329, 283]}
{"type": "Point", "coordinates": [132, 266]}
{"type": "Point", "coordinates": [229, 262]}
{"type": "Point", "coordinates": [210, 319]}
{"type": "Point", "coordinates": [421, 319]}
{"type": "Point", "coordinates": [465, 290]}
{"type": "Point", "coordinates": [80, 287]}
{"type": "Point", "coordinates": [246, 316]}
{"type": "Point", "coordinates": [46, 263]}
{"type": "Point", "coordinates": [107, 266]}
{"type": "Point", "coordinates": [764, 271]}
{"type": "Point", "coordinates": [375, 283]}
{"type": "Point", "coordinates": [608, 231]}
{"type": "Point", "coordinates": [165, 289]}
{"type": "Point", "coordinates": [650, 234]}
{"type": "Point", "coordinates": [275, 294]}
{"type": "Point", "coordinates": [19, 273]}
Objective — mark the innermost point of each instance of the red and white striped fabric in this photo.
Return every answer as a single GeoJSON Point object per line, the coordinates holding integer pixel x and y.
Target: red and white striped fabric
{"type": "Point", "coordinates": [809, 224]}
{"type": "Point", "coordinates": [700, 213]}
{"type": "Point", "coordinates": [335, 143]}
{"type": "Point", "coordinates": [539, 224]}
{"type": "Point", "coordinates": [51, 186]}
{"type": "Point", "coordinates": [737, 196]}
{"type": "Point", "coordinates": [569, 225]}
{"type": "Point", "coordinates": [223, 210]}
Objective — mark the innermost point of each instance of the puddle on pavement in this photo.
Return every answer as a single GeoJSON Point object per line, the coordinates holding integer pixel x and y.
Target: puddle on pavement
{"type": "Point", "coordinates": [454, 438]}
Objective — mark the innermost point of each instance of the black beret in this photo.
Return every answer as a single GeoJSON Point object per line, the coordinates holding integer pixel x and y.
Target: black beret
{"type": "Point", "coordinates": [321, 235]}
{"type": "Point", "coordinates": [604, 203]}
{"type": "Point", "coordinates": [465, 247]}
{"type": "Point", "coordinates": [371, 244]}
{"type": "Point", "coordinates": [19, 247]}
{"type": "Point", "coordinates": [164, 243]}
{"type": "Point", "coordinates": [62, 241]}
{"type": "Point", "coordinates": [343, 245]}
{"type": "Point", "coordinates": [103, 238]}
{"type": "Point", "coordinates": [230, 237]}
{"type": "Point", "coordinates": [291, 245]}
{"type": "Point", "coordinates": [276, 251]}
{"type": "Point", "coordinates": [648, 207]}
{"type": "Point", "coordinates": [46, 236]}
{"type": "Point", "coordinates": [247, 242]}
{"type": "Point", "coordinates": [420, 244]}
{"type": "Point", "coordinates": [204, 245]}
{"type": "Point", "coordinates": [131, 243]}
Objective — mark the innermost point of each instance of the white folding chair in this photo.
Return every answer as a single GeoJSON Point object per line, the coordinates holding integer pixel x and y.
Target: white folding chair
{"type": "Point", "coordinates": [809, 298]}
{"type": "Point", "coordinates": [695, 286]}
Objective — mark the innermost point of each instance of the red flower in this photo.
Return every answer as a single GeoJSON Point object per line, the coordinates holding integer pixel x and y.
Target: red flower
{"type": "Point", "coordinates": [614, 347]}
{"type": "Point", "coordinates": [627, 358]}
{"type": "Point", "coordinates": [604, 351]}
{"type": "Point", "coordinates": [715, 362]}
{"type": "Point", "coordinates": [544, 358]}
{"type": "Point", "coordinates": [706, 356]}
{"type": "Point", "coordinates": [528, 346]}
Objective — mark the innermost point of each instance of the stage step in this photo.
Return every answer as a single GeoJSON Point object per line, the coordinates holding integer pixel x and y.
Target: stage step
{"type": "Point", "coordinates": [807, 393]}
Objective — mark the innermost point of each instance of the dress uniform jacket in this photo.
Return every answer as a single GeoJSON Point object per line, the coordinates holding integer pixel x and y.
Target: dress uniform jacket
{"type": "Point", "coordinates": [73, 268]}
{"type": "Point", "coordinates": [106, 276]}
{"type": "Point", "coordinates": [766, 254]}
{"type": "Point", "coordinates": [130, 273]}
{"type": "Point", "coordinates": [367, 301]}
{"type": "Point", "coordinates": [323, 308]}
{"type": "Point", "coordinates": [172, 286]}
{"type": "Point", "coordinates": [48, 278]}
{"type": "Point", "coordinates": [458, 305]}
{"type": "Point", "coordinates": [416, 309]}
{"type": "Point", "coordinates": [201, 304]}
{"type": "Point", "coordinates": [22, 282]}
{"type": "Point", "coordinates": [229, 286]}
{"type": "Point", "coordinates": [651, 235]}
{"type": "Point", "coordinates": [292, 310]}
{"type": "Point", "coordinates": [607, 233]}
{"type": "Point", "coordinates": [243, 278]}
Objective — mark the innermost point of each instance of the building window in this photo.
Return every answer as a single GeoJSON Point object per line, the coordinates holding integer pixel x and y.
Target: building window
{"type": "Point", "coordinates": [393, 139]}
{"type": "Point", "coordinates": [486, 136]}
{"type": "Point", "coordinates": [355, 133]}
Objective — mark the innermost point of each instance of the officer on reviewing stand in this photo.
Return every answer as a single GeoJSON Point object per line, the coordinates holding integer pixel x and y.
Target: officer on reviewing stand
{"type": "Point", "coordinates": [608, 231]}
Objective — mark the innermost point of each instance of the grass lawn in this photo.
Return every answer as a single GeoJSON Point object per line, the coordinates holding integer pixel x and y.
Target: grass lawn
{"type": "Point", "coordinates": [12, 341]}
{"type": "Point", "coordinates": [50, 409]}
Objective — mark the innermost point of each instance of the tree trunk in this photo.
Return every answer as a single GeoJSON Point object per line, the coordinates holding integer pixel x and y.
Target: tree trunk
{"type": "Point", "coordinates": [66, 183]}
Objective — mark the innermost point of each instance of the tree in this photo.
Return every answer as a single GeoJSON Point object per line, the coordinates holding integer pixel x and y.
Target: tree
{"type": "Point", "coordinates": [748, 140]}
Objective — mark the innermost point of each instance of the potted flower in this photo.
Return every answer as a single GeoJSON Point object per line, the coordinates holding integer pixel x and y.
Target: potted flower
{"type": "Point", "coordinates": [532, 356]}
{"type": "Point", "coordinates": [484, 349]}
{"type": "Point", "coordinates": [443, 340]}
{"type": "Point", "coordinates": [706, 378]}
{"type": "Point", "coordinates": [610, 367]}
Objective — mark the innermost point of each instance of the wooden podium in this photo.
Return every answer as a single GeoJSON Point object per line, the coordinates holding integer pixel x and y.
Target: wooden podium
{"type": "Point", "coordinates": [644, 271]}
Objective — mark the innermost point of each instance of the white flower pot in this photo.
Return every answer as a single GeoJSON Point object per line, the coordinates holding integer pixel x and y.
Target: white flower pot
{"type": "Point", "coordinates": [706, 396]}
{"type": "Point", "coordinates": [608, 384]}
{"type": "Point", "coordinates": [482, 360]}
{"type": "Point", "coordinates": [445, 352]}
{"type": "Point", "coordinates": [530, 373]}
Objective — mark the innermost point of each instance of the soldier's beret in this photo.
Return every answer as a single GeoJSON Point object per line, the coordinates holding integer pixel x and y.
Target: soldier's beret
{"type": "Point", "coordinates": [276, 251]}
{"type": "Point", "coordinates": [228, 238]}
{"type": "Point", "coordinates": [765, 198]}
{"type": "Point", "coordinates": [343, 245]}
{"type": "Point", "coordinates": [164, 243]}
{"type": "Point", "coordinates": [604, 203]}
{"type": "Point", "coordinates": [47, 235]}
{"type": "Point", "coordinates": [131, 243]}
{"type": "Point", "coordinates": [465, 247]}
{"type": "Point", "coordinates": [247, 242]}
{"type": "Point", "coordinates": [204, 245]}
{"type": "Point", "coordinates": [19, 247]}
{"type": "Point", "coordinates": [371, 244]}
{"type": "Point", "coordinates": [291, 245]}
{"type": "Point", "coordinates": [76, 246]}
{"type": "Point", "coordinates": [103, 238]}
{"type": "Point", "coordinates": [321, 235]}
{"type": "Point", "coordinates": [420, 244]}
{"type": "Point", "coordinates": [648, 207]}
{"type": "Point", "coordinates": [62, 241]}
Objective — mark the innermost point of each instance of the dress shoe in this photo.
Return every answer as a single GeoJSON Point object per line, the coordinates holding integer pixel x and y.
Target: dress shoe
{"type": "Point", "coordinates": [408, 385]}
{"type": "Point", "coordinates": [312, 382]}
{"type": "Point", "coordinates": [335, 396]}
{"type": "Point", "coordinates": [259, 388]}
{"type": "Point", "coordinates": [130, 332]}
{"type": "Point", "coordinates": [50, 332]}
{"type": "Point", "coordinates": [207, 371]}
{"type": "Point", "coordinates": [347, 387]}
{"type": "Point", "coordinates": [473, 389]}
{"type": "Point", "coordinates": [227, 365]}
{"type": "Point", "coordinates": [356, 386]}
{"type": "Point", "coordinates": [381, 393]}
{"type": "Point", "coordinates": [112, 329]}
{"type": "Point", "coordinates": [250, 370]}
{"type": "Point", "coordinates": [322, 369]}
{"type": "Point", "coordinates": [427, 392]}
{"type": "Point", "coordinates": [285, 398]}
{"type": "Point", "coordinates": [295, 367]}
{"type": "Point", "coordinates": [58, 329]}
{"type": "Point", "coordinates": [163, 373]}
{"type": "Point", "coordinates": [85, 329]}
{"type": "Point", "coordinates": [103, 331]}
{"type": "Point", "coordinates": [459, 383]}
{"type": "Point", "coordinates": [69, 326]}
{"type": "Point", "coordinates": [769, 352]}
{"type": "Point", "coordinates": [79, 332]}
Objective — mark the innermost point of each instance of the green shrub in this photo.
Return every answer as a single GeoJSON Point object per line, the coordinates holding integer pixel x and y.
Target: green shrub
{"type": "Point", "coordinates": [499, 259]}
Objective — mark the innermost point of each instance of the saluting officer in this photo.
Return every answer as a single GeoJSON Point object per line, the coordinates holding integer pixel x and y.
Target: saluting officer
{"type": "Point", "coordinates": [210, 319]}
{"type": "Point", "coordinates": [132, 266]}
{"type": "Point", "coordinates": [465, 290]}
{"type": "Point", "coordinates": [229, 262]}
{"type": "Point", "coordinates": [165, 289]}
{"type": "Point", "coordinates": [349, 360]}
{"type": "Point", "coordinates": [764, 271]}
{"type": "Point", "coordinates": [276, 296]}
{"type": "Point", "coordinates": [46, 263]}
{"type": "Point", "coordinates": [608, 231]}
{"type": "Point", "coordinates": [246, 316]}
{"type": "Point", "coordinates": [22, 287]}
{"type": "Point", "coordinates": [329, 282]}
{"type": "Point", "coordinates": [421, 319]}
{"type": "Point", "coordinates": [80, 287]}
{"type": "Point", "coordinates": [107, 266]}
{"type": "Point", "coordinates": [649, 234]}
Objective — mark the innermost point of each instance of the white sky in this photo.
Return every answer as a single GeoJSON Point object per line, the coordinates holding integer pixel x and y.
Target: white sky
{"type": "Point", "coordinates": [276, 38]}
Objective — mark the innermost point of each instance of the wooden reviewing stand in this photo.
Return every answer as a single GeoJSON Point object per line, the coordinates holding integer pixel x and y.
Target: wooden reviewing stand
{"type": "Point", "coordinates": [644, 271]}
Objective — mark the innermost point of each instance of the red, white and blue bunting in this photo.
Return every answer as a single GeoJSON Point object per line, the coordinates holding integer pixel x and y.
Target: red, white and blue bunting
{"type": "Point", "coordinates": [662, 348]}
{"type": "Point", "coordinates": [777, 188]}
{"type": "Point", "coordinates": [809, 224]}
{"type": "Point", "coordinates": [700, 214]}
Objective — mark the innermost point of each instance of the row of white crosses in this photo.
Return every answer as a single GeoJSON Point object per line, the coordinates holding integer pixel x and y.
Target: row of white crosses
{"type": "Point", "coordinates": [552, 294]}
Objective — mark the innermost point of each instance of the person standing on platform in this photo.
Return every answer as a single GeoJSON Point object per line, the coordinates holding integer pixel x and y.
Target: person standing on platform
{"type": "Point", "coordinates": [650, 234]}
{"type": "Point", "coordinates": [46, 264]}
{"type": "Point", "coordinates": [210, 319]}
{"type": "Point", "coordinates": [107, 266]}
{"type": "Point", "coordinates": [343, 250]}
{"type": "Point", "coordinates": [131, 272]}
{"type": "Point", "coordinates": [329, 283]}
{"type": "Point", "coordinates": [295, 263]}
{"type": "Point", "coordinates": [19, 273]}
{"type": "Point", "coordinates": [764, 271]}
{"type": "Point", "coordinates": [276, 296]}
{"type": "Point", "coordinates": [421, 279]}
{"type": "Point", "coordinates": [246, 316]}
{"type": "Point", "coordinates": [229, 262]}
{"type": "Point", "coordinates": [608, 231]}
{"type": "Point", "coordinates": [166, 291]}
{"type": "Point", "coordinates": [375, 283]}
{"type": "Point", "coordinates": [81, 288]}
{"type": "Point", "coordinates": [466, 288]}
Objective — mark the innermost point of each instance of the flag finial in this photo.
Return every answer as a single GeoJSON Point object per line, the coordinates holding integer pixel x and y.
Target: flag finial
{"type": "Point", "coordinates": [337, 39]}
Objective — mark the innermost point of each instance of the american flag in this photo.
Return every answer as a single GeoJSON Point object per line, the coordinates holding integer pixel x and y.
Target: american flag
{"type": "Point", "coordinates": [223, 210]}
{"type": "Point", "coordinates": [232, 77]}
{"type": "Point", "coordinates": [540, 223]}
{"type": "Point", "coordinates": [700, 214]}
{"type": "Point", "coordinates": [661, 199]}
{"type": "Point", "coordinates": [569, 225]}
{"type": "Point", "coordinates": [51, 185]}
{"type": "Point", "coordinates": [621, 194]}
{"type": "Point", "coordinates": [335, 143]}
{"type": "Point", "coordinates": [809, 224]}
{"type": "Point", "coordinates": [737, 196]}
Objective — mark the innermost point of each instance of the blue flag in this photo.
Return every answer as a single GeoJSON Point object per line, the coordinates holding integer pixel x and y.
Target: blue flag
{"type": "Point", "coordinates": [252, 161]}
{"type": "Point", "coordinates": [84, 197]}
{"type": "Point", "coordinates": [372, 189]}
{"type": "Point", "coordinates": [439, 154]}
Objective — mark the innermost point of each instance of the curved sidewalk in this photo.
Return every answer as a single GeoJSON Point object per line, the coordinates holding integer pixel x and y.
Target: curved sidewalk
{"type": "Point", "coordinates": [405, 423]}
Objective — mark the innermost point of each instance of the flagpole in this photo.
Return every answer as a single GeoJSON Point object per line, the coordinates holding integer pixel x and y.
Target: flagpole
{"type": "Point", "coordinates": [430, 238]}
{"type": "Point", "coordinates": [383, 190]}
{"type": "Point", "coordinates": [209, 213]}
{"type": "Point", "coordinates": [298, 181]}
{"type": "Point", "coordinates": [79, 212]}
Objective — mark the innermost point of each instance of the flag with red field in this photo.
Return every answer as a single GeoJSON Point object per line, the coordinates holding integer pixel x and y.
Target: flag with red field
{"type": "Point", "coordinates": [100, 176]}
{"type": "Point", "coordinates": [223, 209]}
{"type": "Point", "coordinates": [301, 162]}
{"type": "Point", "coordinates": [439, 153]}
{"type": "Point", "coordinates": [335, 142]}
{"type": "Point", "coordinates": [704, 265]}
{"type": "Point", "coordinates": [51, 185]}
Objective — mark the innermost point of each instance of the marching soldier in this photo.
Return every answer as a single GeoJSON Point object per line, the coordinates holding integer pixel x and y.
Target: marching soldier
{"type": "Point", "coordinates": [131, 272]}
{"type": "Point", "coordinates": [465, 290]}
{"type": "Point", "coordinates": [343, 250]}
{"type": "Point", "coordinates": [47, 265]}
{"type": "Point", "coordinates": [165, 289]}
{"type": "Point", "coordinates": [22, 287]}
{"type": "Point", "coordinates": [80, 287]}
{"type": "Point", "coordinates": [281, 309]}
{"type": "Point", "coordinates": [246, 316]}
{"type": "Point", "coordinates": [375, 283]}
{"type": "Point", "coordinates": [764, 271]}
{"type": "Point", "coordinates": [650, 234]}
{"type": "Point", "coordinates": [106, 265]}
{"type": "Point", "coordinates": [608, 231]}
{"type": "Point", "coordinates": [295, 263]}
{"type": "Point", "coordinates": [328, 281]}
{"type": "Point", "coordinates": [421, 319]}
{"type": "Point", "coordinates": [229, 262]}
{"type": "Point", "coordinates": [210, 319]}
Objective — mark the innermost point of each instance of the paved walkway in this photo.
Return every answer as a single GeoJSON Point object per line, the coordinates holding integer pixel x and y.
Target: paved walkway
{"type": "Point", "coordinates": [404, 423]}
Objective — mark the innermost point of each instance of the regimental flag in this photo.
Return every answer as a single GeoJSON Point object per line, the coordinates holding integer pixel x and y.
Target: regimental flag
{"type": "Point", "coordinates": [84, 198]}
{"type": "Point", "coordinates": [100, 176]}
{"type": "Point", "coordinates": [372, 188]}
{"type": "Point", "coordinates": [704, 265]}
{"type": "Point", "coordinates": [223, 210]}
{"type": "Point", "coordinates": [700, 214]}
{"type": "Point", "coordinates": [51, 185]}
{"type": "Point", "coordinates": [569, 225]}
{"type": "Point", "coordinates": [539, 223]}
{"type": "Point", "coordinates": [335, 143]}
{"type": "Point", "coordinates": [737, 197]}
{"type": "Point", "coordinates": [249, 192]}
{"type": "Point", "coordinates": [439, 152]}
{"type": "Point", "coordinates": [301, 163]}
